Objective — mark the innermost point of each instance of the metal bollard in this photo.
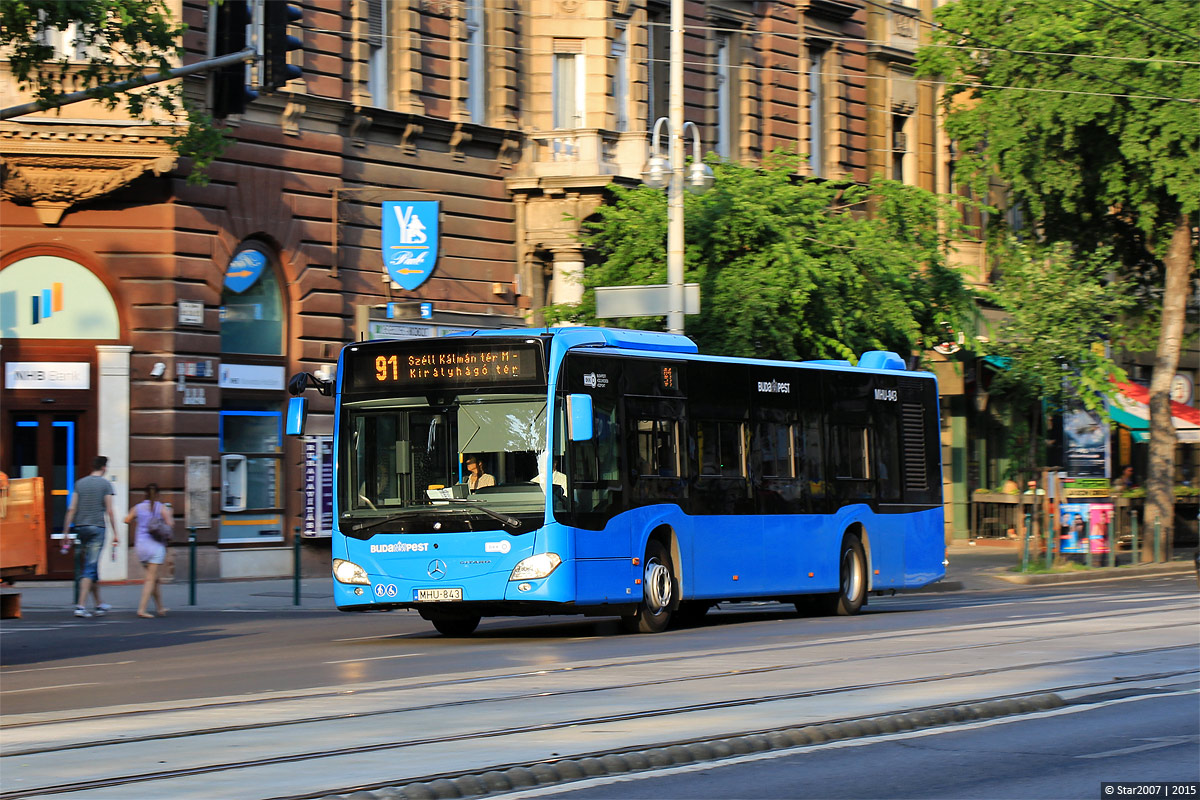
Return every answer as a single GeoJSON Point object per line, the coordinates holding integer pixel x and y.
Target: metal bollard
{"type": "Point", "coordinates": [1112, 545]}
{"type": "Point", "coordinates": [1133, 544]}
{"type": "Point", "coordinates": [191, 566]}
{"type": "Point", "coordinates": [77, 554]}
{"type": "Point", "coordinates": [1025, 545]}
{"type": "Point", "coordinates": [296, 567]}
{"type": "Point", "coordinates": [1049, 542]}
{"type": "Point", "coordinates": [1157, 541]}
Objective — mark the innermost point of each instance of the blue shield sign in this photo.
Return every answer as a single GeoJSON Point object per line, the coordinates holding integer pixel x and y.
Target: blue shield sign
{"type": "Point", "coordinates": [244, 269]}
{"type": "Point", "coordinates": [410, 241]}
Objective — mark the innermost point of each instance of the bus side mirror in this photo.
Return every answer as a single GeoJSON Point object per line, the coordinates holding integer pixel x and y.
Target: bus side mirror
{"type": "Point", "coordinates": [579, 417]}
{"type": "Point", "coordinates": [297, 416]}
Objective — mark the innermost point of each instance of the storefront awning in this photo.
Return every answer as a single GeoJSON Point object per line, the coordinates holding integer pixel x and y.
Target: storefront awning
{"type": "Point", "coordinates": [1130, 408]}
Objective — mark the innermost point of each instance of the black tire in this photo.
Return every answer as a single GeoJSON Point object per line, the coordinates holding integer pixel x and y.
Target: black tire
{"type": "Point", "coordinates": [852, 580]}
{"type": "Point", "coordinates": [455, 626]}
{"type": "Point", "coordinates": [659, 591]}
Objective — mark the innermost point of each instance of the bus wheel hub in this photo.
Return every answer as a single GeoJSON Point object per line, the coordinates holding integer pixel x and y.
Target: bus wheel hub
{"type": "Point", "coordinates": [658, 586]}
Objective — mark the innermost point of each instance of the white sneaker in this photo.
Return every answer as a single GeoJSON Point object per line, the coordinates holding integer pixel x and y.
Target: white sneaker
{"type": "Point", "coordinates": [80, 611]}
{"type": "Point", "coordinates": [102, 609]}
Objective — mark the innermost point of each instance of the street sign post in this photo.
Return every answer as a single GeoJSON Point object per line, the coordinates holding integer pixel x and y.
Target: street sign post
{"type": "Point", "coordinates": [643, 301]}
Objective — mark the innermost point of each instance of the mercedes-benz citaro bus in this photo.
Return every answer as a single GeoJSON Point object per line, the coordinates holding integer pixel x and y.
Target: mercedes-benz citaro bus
{"type": "Point", "coordinates": [611, 472]}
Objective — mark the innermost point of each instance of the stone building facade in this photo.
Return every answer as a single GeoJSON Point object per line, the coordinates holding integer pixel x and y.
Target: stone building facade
{"type": "Point", "coordinates": [154, 321]}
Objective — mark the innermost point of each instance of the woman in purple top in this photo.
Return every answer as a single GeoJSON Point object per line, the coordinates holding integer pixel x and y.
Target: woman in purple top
{"type": "Point", "coordinates": [150, 551]}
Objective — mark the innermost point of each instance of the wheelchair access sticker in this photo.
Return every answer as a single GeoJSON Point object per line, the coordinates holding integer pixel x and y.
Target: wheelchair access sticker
{"type": "Point", "coordinates": [386, 590]}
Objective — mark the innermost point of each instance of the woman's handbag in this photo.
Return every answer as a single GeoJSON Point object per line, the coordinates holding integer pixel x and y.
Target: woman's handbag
{"type": "Point", "coordinates": [158, 528]}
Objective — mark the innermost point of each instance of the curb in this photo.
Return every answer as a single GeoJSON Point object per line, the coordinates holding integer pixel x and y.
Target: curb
{"type": "Point", "coordinates": [506, 778]}
{"type": "Point", "coordinates": [1099, 574]}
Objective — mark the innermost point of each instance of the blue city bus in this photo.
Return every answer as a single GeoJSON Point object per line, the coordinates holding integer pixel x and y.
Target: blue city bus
{"type": "Point", "coordinates": [622, 473]}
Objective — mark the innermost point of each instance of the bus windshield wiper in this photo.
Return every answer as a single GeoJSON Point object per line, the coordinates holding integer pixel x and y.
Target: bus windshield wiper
{"type": "Point", "coordinates": [399, 515]}
{"type": "Point", "coordinates": [503, 519]}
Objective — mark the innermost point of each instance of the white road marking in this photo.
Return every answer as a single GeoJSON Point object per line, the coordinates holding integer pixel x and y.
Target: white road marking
{"type": "Point", "coordinates": [69, 666]}
{"type": "Point", "coordinates": [373, 658]}
{"type": "Point", "coordinates": [46, 688]}
{"type": "Point", "coordinates": [1155, 743]}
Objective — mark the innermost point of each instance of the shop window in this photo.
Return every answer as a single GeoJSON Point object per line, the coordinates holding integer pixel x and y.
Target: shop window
{"type": "Point", "coordinates": [251, 305]}
{"type": "Point", "coordinates": [251, 454]}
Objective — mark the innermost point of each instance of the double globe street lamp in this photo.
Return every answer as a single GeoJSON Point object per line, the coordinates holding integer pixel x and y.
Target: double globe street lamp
{"type": "Point", "coordinates": [669, 173]}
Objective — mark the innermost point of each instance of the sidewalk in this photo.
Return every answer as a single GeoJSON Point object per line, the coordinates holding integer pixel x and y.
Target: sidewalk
{"type": "Point", "coordinates": [987, 565]}
{"type": "Point", "coordinates": [275, 594]}
{"type": "Point", "coordinates": [971, 568]}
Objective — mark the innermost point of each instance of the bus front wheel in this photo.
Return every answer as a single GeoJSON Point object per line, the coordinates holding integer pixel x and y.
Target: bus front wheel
{"type": "Point", "coordinates": [852, 580]}
{"type": "Point", "coordinates": [658, 593]}
{"type": "Point", "coordinates": [455, 626]}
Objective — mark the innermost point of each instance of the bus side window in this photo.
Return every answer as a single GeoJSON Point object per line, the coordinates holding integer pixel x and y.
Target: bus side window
{"type": "Point", "coordinates": [594, 463]}
{"type": "Point", "coordinates": [851, 454]}
{"type": "Point", "coordinates": [657, 453]}
{"type": "Point", "coordinates": [811, 466]}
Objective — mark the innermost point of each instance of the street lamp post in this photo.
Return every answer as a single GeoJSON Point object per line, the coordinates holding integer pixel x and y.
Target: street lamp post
{"type": "Point", "coordinates": [655, 173]}
{"type": "Point", "coordinates": [668, 173]}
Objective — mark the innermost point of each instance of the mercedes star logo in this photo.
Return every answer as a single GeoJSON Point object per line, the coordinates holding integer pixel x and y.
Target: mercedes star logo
{"type": "Point", "coordinates": [437, 569]}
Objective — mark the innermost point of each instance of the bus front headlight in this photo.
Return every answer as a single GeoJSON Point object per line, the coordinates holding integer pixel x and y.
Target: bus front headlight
{"type": "Point", "coordinates": [349, 572]}
{"type": "Point", "coordinates": [538, 566]}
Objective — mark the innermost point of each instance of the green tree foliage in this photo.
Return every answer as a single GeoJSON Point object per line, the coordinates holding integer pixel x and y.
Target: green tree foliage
{"type": "Point", "coordinates": [1059, 307]}
{"type": "Point", "coordinates": [789, 268]}
{"type": "Point", "coordinates": [118, 40]}
{"type": "Point", "coordinates": [1088, 110]}
{"type": "Point", "coordinates": [1088, 114]}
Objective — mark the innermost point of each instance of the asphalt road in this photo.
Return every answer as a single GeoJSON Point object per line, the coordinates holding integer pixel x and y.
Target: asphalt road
{"type": "Point", "coordinates": [283, 700]}
{"type": "Point", "coordinates": [52, 661]}
{"type": "Point", "coordinates": [1066, 753]}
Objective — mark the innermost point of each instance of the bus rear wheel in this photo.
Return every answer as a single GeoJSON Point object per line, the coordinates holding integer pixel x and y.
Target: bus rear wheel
{"type": "Point", "coordinates": [455, 626]}
{"type": "Point", "coordinates": [852, 580]}
{"type": "Point", "coordinates": [658, 593]}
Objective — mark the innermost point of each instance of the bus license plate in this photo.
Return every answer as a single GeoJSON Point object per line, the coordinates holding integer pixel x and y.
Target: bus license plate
{"type": "Point", "coordinates": [438, 595]}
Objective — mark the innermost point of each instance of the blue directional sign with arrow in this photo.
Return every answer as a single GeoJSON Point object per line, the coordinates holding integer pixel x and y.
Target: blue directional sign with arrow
{"type": "Point", "coordinates": [244, 269]}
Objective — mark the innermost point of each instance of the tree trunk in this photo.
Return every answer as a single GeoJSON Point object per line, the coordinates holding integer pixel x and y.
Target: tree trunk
{"type": "Point", "coordinates": [1160, 477]}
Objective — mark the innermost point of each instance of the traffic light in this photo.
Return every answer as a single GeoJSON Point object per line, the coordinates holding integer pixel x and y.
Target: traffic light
{"type": "Point", "coordinates": [231, 90]}
{"type": "Point", "coordinates": [276, 44]}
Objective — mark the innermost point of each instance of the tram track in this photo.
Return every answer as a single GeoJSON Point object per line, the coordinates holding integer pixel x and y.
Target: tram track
{"type": "Point", "coordinates": [589, 708]}
{"type": "Point", "coordinates": [543, 728]}
{"type": "Point", "coordinates": [542, 695]}
{"type": "Point", "coordinates": [244, 702]}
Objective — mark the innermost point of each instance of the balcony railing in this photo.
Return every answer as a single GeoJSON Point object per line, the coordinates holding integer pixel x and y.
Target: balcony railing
{"type": "Point", "coordinates": [585, 153]}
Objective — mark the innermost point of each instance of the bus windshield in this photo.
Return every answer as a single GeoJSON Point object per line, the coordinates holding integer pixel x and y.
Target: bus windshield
{"type": "Point", "coordinates": [470, 451]}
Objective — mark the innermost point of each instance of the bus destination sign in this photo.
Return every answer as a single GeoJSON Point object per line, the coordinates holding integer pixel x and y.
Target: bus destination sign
{"type": "Point", "coordinates": [442, 364]}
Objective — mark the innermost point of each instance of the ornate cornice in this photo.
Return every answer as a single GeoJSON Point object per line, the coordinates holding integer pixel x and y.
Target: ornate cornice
{"type": "Point", "coordinates": [54, 167]}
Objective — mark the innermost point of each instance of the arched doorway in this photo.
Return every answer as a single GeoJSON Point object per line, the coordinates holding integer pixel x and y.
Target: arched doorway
{"type": "Point", "coordinates": [65, 396]}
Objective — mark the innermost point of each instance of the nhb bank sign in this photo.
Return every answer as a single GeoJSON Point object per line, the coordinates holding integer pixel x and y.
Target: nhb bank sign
{"type": "Point", "coordinates": [410, 241]}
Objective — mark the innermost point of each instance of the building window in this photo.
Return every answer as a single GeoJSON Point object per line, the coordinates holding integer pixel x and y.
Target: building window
{"type": "Point", "coordinates": [816, 113]}
{"type": "Point", "coordinates": [67, 42]}
{"type": "Point", "coordinates": [377, 57]}
{"type": "Point", "coordinates": [724, 99]}
{"type": "Point", "coordinates": [900, 148]}
{"type": "Point", "coordinates": [476, 62]}
{"type": "Point", "coordinates": [251, 305]}
{"type": "Point", "coordinates": [568, 85]}
{"type": "Point", "coordinates": [620, 80]}
{"type": "Point", "coordinates": [658, 63]}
